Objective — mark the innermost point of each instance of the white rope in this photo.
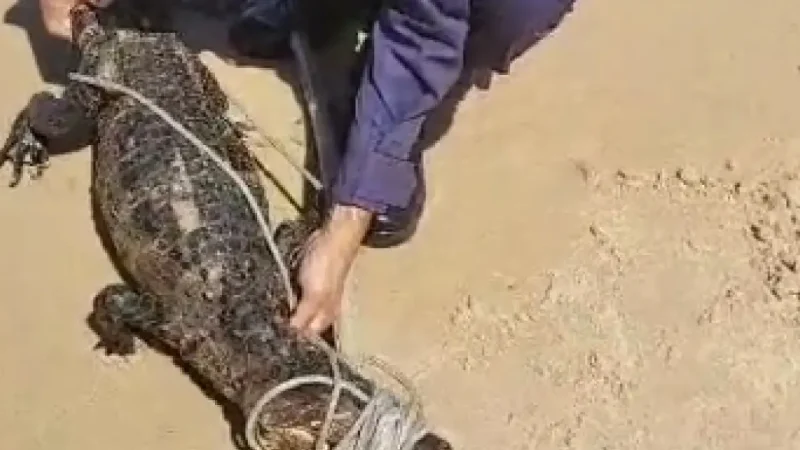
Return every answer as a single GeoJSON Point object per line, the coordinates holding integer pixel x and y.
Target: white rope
{"type": "Point", "coordinates": [384, 423]}
{"type": "Point", "coordinates": [274, 143]}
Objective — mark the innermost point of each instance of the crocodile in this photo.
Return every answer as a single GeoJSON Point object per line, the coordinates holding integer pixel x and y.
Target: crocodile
{"type": "Point", "coordinates": [199, 281]}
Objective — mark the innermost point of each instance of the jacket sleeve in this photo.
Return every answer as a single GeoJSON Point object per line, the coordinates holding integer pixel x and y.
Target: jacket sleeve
{"type": "Point", "coordinates": [416, 57]}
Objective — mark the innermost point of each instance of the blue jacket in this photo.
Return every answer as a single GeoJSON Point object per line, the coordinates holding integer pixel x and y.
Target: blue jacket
{"type": "Point", "coordinates": [418, 53]}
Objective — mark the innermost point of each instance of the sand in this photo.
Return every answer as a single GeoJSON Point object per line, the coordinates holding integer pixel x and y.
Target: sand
{"type": "Point", "coordinates": [608, 259]}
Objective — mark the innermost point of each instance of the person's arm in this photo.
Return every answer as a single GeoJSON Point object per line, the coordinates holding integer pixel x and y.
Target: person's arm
{"type": "Point", "coordinates": [416, 57]}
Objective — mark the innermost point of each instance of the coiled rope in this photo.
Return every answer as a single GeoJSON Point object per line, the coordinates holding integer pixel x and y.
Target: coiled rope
{"type": "Point", "coordinates": [384, 423]}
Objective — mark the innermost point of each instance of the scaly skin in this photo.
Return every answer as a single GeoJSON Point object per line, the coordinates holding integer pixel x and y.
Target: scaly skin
{"type": "Point", "coordinates": [203, 283]}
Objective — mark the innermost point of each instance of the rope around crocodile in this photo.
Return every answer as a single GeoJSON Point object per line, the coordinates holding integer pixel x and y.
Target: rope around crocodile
{"type": "Point", "coordinates": [384, 423]}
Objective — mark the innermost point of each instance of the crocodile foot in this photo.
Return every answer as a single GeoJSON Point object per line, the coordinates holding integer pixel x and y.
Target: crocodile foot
{"type": "Point", "coordinates": [118, 312]}
{"type": "Point", "coordinates": [23, 147]}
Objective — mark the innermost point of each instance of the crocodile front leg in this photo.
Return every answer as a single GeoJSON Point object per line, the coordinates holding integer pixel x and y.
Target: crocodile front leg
{"type": "Point", "coordinates": [119, 312]}
{"type": "Point", "coordinates": [23, 146]}
{"type": "Point", "coordinates": [42, 122]}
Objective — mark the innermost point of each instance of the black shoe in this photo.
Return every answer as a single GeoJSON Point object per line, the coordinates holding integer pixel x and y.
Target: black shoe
{"type": "Point", "coordinates": [396, 227]}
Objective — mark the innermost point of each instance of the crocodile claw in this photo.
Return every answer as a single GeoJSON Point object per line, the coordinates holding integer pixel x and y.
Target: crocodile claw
{"type": "Point", "coordinates": [24, 147]}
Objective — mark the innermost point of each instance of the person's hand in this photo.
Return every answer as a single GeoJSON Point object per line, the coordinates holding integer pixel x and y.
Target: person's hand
{"type": "Point", "coordinates": [55, 15]}
{"type": "Point", "coordinates": [328, 257]}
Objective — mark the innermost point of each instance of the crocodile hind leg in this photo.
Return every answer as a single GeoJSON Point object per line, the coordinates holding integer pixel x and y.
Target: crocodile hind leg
{"type": "Point", "coordinates": [119, 312]}
{"type": "Point", "coordinates": [292, 235]}
{"type": "Point", "coordinates": [44, 120]}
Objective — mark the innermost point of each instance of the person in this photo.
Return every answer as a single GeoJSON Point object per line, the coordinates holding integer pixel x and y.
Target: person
{"type": "Point", "coordinates": [418, 49]}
